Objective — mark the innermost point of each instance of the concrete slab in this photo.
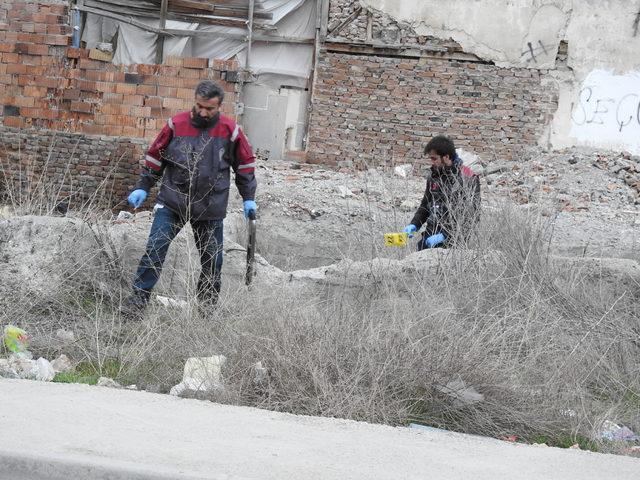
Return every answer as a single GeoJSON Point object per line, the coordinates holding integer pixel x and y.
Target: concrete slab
{"type": "Point", "coordinates": [56, 431]}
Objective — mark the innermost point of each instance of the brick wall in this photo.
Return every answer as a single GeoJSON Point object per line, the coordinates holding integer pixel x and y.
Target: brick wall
{"type": "Point", "coordinates": [373, 110]}
{"type": "Point", "coordinates": [100, 107]}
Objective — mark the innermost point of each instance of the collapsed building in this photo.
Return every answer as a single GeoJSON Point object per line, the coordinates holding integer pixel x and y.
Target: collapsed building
{"type": "Point", "coordinates": [88, 83]}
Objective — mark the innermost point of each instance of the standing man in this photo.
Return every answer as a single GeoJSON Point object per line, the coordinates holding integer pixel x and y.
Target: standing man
{"type": "Point", "coordinates": [193, 154]}
{"type": "Point", "coordinates": [451, 203]}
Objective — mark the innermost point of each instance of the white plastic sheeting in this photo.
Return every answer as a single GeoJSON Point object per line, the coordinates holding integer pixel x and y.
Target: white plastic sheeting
{"type": "Point", "coordinates": [274, 64]}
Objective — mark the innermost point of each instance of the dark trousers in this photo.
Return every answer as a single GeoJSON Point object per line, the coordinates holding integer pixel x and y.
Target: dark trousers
{"type": "Point", "coordinates": [166, 225]}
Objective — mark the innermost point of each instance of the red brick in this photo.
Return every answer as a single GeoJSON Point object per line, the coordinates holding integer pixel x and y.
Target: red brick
{"type": "Point", "coordinates": [113, 130]}
{"type": "Point", "coordinates": [115, 98]}
{"type": "Point", "coordinates": [146, 69]}
{"type": "Point", "coordinates": [88, 64]}
{"type": "Point", "coordinates": [81, 107]}
{"type": "Point", "coordinates": [153, 102]}
{"type": "Point", "coordinates": [169, 82]}
{"type": "Point", "coordinates": [6, 79]}
{"type": "Point", "coordinates": [172, 103]}
{"type": "Point", "coordinates": [173, 61]}
{"type": "Point", "coordinates": [16, 68]}
{"type": "Point", "coordinates": [58, 9]}
{"type": "Point", "coordinates": [115, 109]}
{"type": "Point", "coordinates": [49, 114]}
{"type": "Point", "coordinates": [167, 92]}
{"type": "Point", "coordinates": [35, 70]}
{"type": "Point", "coordinates": [185, 93]}
{"type": "Point", "coordinates": [71, 94]}
{"type": "Point", "coordinates": [146, 90]}
{"type": "Point", "coordinates": [10, 58]}
{"type": "Point", "coordinates": [190, 83]}
{"type": "Point", "coordinates": [125, 88]}
{"type": "Point", "coordinates": [95, 75]}
{"type": "Point", "coordinates": [36, 92]}
{"type": "Point", "coordinates": [166, 71]}
{"type": "Point", "coordinates": [15, 122]}
{"type": "Point", "coordinates": [133, 100]}
{"type": "Point", "coordinates": [51, 82]}
{"type": "Point", "coordinates": [132, 132]}
{"type": "Point", "coordinates": [7, 47]}
{"type": "Point", "coordinates": [61, 40]}
{"type": "Point", "coordinates": [141, 111]}
{"type": "Point", "coordinates": [77, 52]}
{"type": "Point", "coordinates": [21, 101]}
{"type": "Point", "coordinates": [59, 29]}
{"type": "Point", "coordinates": [192, 62]}
{"type": "Point", "coordinates": [30, 38]}
{"type": "Point", "coordinates": [105, 87]}
{"type": "Point", "coordinates": [38, 50]}
{"type": "Point", "coordinates": [91, 129]}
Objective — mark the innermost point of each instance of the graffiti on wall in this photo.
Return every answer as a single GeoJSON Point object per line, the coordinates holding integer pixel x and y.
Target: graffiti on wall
{"type": "Point", "coordinates": [607, 110]}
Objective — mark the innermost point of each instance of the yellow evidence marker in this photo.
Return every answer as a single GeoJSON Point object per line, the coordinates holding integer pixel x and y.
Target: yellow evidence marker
{"type": "Point", "coordinates": [395, 239]}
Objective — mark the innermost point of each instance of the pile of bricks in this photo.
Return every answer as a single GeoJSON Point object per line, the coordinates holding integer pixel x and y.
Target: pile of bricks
{"type": "Point", "coordinates": [53, 86]}
{"type": "Point", "coordinates": [82, 122]}
{"type": "Point", "coordinates": [370, 111]}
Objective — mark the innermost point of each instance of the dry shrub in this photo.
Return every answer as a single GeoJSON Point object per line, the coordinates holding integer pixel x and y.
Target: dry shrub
{"type": "Point", "coordinates": [552, 347]}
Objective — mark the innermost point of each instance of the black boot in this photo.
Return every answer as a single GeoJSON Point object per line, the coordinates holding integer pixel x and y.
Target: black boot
{"type": "Point", "coordinates": [207, 293]}
{"type": "Point", "coordinates": [134, 306]}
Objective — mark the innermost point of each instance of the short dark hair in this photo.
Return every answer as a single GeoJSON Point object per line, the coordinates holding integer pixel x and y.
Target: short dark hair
{"type": "Point", "coordinates": [442, 146]}
{"type": "Point", "coordinates": [208, 90]}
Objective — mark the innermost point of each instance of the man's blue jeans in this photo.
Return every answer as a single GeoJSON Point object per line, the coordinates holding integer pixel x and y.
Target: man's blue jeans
{"type": "Point", "coordinates": [208, 236]}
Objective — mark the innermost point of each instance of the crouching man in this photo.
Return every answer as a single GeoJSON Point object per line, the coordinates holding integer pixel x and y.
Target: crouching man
{"type": "Point", "coordinates": [451, 203]}
{"type": "Point", "coordinates": [193, 154]}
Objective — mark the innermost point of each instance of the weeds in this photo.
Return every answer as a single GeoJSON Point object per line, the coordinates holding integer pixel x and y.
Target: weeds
{"type": "Point", "coordinates": [551, 344]}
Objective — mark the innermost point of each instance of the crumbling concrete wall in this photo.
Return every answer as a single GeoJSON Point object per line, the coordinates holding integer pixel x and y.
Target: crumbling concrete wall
{"type": "Point", "coordinates": [103, 113]}
{"type": "Point", "coordinates": [601, 35]}
{"type": "Point", "coordinates": [371, 110]}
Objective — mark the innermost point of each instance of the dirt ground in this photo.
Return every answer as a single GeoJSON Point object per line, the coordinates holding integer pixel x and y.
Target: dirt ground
{"type": "Point", "coordinates": [311, 216]}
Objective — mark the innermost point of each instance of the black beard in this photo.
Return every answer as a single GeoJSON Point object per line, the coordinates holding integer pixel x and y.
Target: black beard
{"type": "Point", "coordinates": [203, 123]}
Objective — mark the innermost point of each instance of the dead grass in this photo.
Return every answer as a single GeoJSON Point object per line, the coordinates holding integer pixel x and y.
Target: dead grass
{"type": "Point", "coordinates": [552, 346]}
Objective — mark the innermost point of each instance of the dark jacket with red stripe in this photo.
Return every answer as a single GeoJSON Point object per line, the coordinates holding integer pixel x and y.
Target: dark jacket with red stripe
{"type": "Point", "coordinates": [451, 202]}
{"type": "Point", "coordinates": [195, 167]}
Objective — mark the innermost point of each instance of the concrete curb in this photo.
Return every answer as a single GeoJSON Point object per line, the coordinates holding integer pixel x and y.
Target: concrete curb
{"type": "Point", "coordinates": [21, 466]}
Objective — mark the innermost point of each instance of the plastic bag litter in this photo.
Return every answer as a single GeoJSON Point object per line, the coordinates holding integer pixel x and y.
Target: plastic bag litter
{"type": "Point", "coordinates": [16, 339]}
{"type": "Point", "coordinates": [617, 433]}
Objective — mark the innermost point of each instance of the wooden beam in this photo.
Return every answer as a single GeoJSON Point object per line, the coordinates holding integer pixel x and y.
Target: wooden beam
{"type": "Point", "coordinates": [128, 17]}
{"type": "Point", "coordinates": [338, 28]}
{"type": "Point", "coordinates": [401, 50]}
{"type": "Point", "coordinates": [163, 24]}
{"type": "Point", "coordinates": [239, 36]}
{"type": "Point", "coordinates": [151, 9]}
{"type": "Point", "coordinates": [324, 19]}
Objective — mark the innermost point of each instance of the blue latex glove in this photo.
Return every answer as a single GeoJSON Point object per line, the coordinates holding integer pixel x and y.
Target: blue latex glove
{"type": "Point", "coordinates": [136, 197]}
{"type": "Point", "coordinates": [410, 230]}
{"type": "Point", "coordinates": [434, 240]}
{"type": "Point", "coordinates": [249, 205]}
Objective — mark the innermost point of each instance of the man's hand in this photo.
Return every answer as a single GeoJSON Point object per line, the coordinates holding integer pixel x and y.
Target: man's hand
{"type": "Point", "coordinates": [410, 230]}
{"type": "Point", "coordinates": [136, 198]}
{"type": "Point", "coordinates": [434, 240]}
{"type": "Point", "coordinates": [249, 206]}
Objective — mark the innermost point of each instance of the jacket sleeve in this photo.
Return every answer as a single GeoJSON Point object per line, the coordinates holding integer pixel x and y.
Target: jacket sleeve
{"type": "Point", "coordinates": [425, 207]}
{"type": "Point", "coordinates": [243, 162]}
{"type": "Point", "coordinates": [154, 160]}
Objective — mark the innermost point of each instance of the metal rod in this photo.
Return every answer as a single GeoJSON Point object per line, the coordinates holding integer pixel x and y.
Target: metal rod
{"type": "Point", "coordinates": [163, 24]}
{"type": "Point", "coordinates": [250, 35]}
